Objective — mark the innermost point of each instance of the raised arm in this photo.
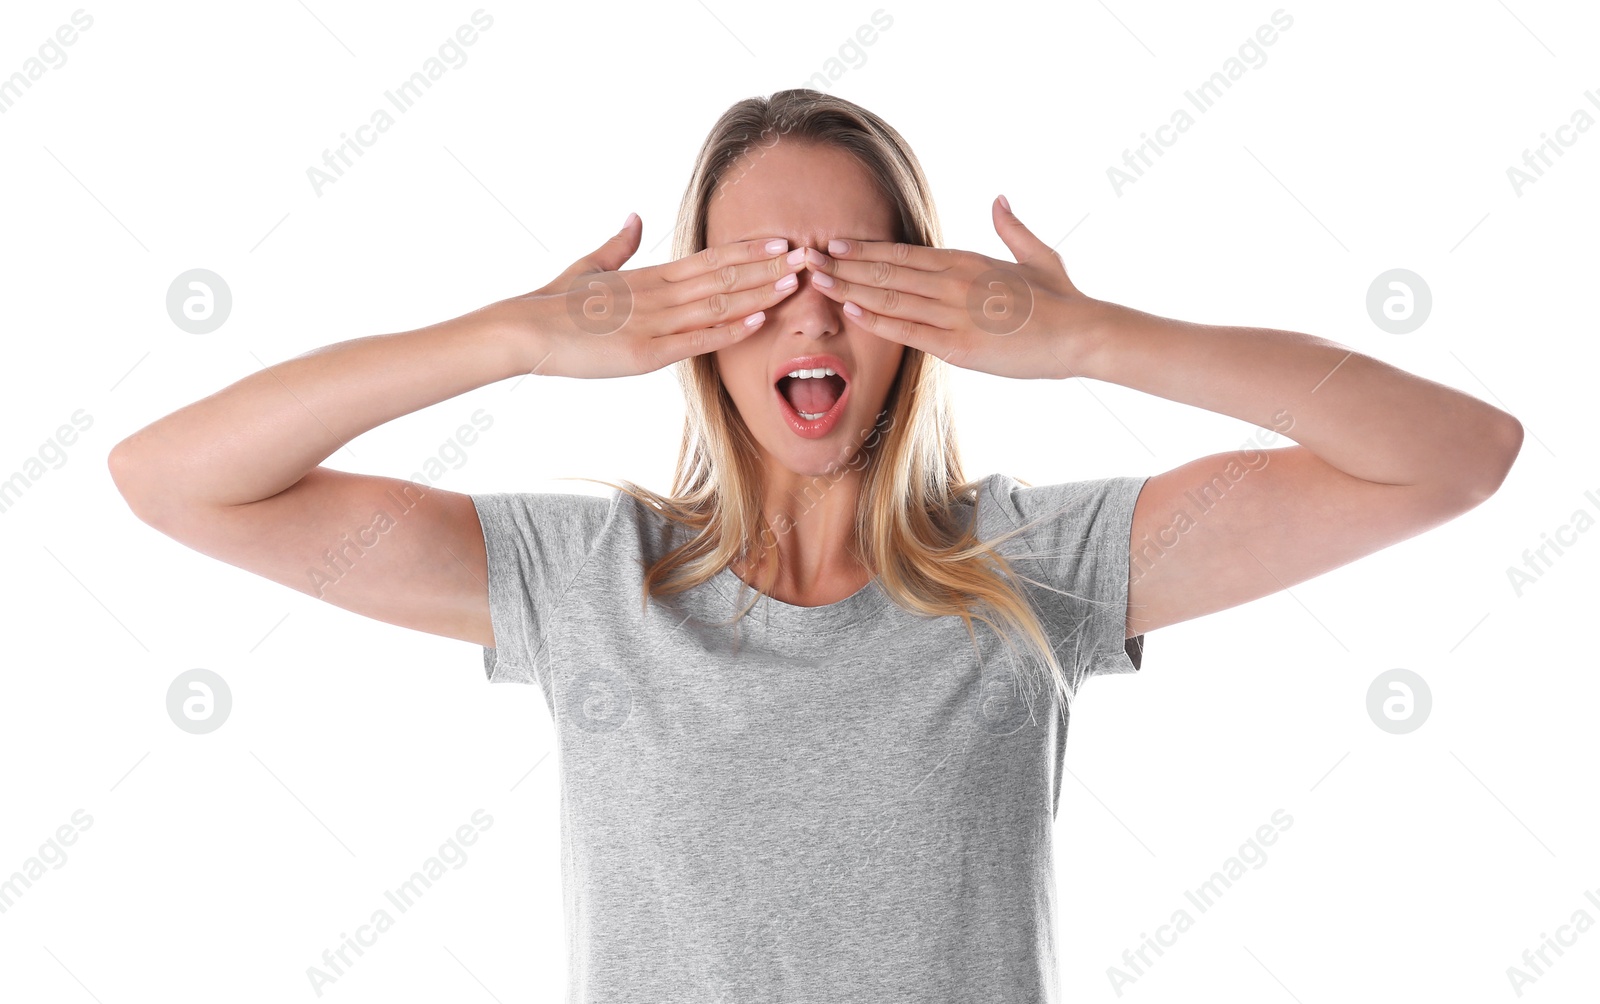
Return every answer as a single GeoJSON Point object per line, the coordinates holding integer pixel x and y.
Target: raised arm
{"type": "Point", "coordinates": [1383, 455]}
{"type": "Point", "coordinates": [235, 475]}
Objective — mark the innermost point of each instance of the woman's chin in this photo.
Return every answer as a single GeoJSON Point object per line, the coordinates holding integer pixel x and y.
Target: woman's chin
{"type": "Point", "coordinates": [831, 458]}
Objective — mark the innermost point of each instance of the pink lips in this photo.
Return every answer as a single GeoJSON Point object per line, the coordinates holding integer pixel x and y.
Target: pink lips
{"type": "Point", "coordinates": [818, 427]}
{"type": "Point", "coordinates": [810, 363]}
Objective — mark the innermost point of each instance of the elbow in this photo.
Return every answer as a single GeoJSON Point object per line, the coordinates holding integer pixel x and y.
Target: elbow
{"type": "Point", "coordinates": [120, 464]}
{"type": "Point", "coordinates": [1497, 452]}
{"type": "Point", "coordinates": [131, 476]}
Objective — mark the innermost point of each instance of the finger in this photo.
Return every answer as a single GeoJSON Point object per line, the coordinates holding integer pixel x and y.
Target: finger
{"type": "Point", "coordinates": [887, 302]}
{"type": "Point", "coordinates": [881, 274]}
{"type": "Point", "coordinates": [926, 337]}
{"type": "Point", "coordinates": [732, 278]}
{"type": "Point", "coordinates": [1025, 246]}
{"type": "Point", "coordinates": [717, 255]}
{"type": "Point", "coordinates": [722, 308]}
{"type": "Point", "coordinates": [611, 255]}
{"type": "Point", "coordinates": [915, 256]}
{"type": "Point", "coordinates": [665, 350]}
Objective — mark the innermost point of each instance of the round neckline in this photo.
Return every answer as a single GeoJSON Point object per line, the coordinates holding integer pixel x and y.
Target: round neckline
{"type": "Point", "coordinates": [788, 618]}
{"type": "Point", "coordinates": [802, 630]}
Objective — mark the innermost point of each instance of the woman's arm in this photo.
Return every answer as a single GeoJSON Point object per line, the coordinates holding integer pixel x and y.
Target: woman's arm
{"type": "Point", "coordinates": [262, 434]}
{"type": "Point", "coordinates": [236, 476]}
{"type": "Point", "coordinates": [1383, 456]}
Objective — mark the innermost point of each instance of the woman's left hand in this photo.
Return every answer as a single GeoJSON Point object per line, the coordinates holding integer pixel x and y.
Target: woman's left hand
{"type": "Point", "coordinates": [1014, 319]}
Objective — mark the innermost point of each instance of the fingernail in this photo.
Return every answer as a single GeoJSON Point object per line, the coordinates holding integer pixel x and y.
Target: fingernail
{"type": "Point", "coordinates": [837, 247]}
{"type": "Point", "coordinates": [852, 309]}
{"type": "Point", "coordinates": [822, 279]}
{"type": "Point", "coordinates": [755, 318]}
{"type": "Point", "coordinates": [797, 256]}
{"type": "Point", "coordinates": [777, 246]}
{"type": "Point", "coordinates": [1006, 203]}
{"type": "Point", "coordinates": [629, 221]}
{"type": "Point", "coordinates": [788, 282]}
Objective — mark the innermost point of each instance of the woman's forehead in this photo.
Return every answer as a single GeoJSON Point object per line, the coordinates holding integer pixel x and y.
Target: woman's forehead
{"type": "Point", "coordinates": [807, 194]}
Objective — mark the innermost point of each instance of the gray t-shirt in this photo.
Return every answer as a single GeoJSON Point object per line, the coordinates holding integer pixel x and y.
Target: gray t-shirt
{"type": "Point", "coordinates": [834, 803]}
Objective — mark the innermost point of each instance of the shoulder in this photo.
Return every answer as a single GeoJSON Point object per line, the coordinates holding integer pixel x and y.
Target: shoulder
{"type": "Point", "coordinates": [1007, 503]}
{"type": "Point", "coordinates": [555, 532]}
{"type": "Point", "coordinates": [552, 510]}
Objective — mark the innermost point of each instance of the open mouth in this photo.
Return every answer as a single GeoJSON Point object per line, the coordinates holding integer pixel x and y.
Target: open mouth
{"type": "Point", "coordinates": [813, 393]}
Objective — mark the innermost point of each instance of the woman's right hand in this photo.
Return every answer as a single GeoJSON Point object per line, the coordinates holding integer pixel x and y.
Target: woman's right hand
{"type": "Point", "coordinates": [596, 321]}
{"type": "Point", "coordinates": [237, 475]}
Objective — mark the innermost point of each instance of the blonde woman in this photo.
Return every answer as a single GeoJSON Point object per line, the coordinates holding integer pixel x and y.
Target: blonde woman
{"type": "Point", "coordinates": [810, 705]}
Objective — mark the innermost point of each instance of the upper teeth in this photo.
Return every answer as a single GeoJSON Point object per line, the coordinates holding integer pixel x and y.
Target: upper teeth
{"type": "Point", "coordinates": [812, 374]}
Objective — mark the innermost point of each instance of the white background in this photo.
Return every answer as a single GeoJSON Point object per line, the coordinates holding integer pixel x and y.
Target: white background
{"type": "Point", "coordinates": [1375, 136]}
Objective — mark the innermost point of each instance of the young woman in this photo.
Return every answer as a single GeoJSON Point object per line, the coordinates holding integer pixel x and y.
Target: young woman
{"type": "Point", "coordinates": [811, 705]}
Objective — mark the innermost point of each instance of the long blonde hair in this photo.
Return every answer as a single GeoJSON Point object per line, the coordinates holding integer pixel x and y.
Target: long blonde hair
{"type": "Point", "coordinates": [908, 535]}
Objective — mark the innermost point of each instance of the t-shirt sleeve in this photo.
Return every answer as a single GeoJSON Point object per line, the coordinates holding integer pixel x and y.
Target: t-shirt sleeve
{"type": "Point", "coordinates": [537, 545]}
{"type": "Point", "coordinates": [1077, 549]}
